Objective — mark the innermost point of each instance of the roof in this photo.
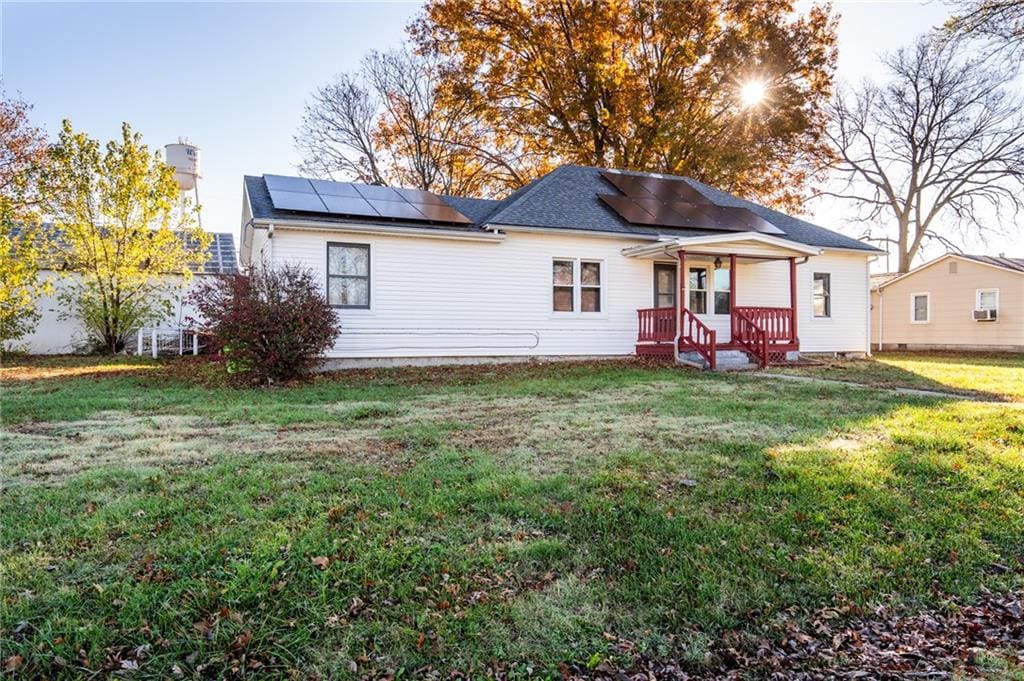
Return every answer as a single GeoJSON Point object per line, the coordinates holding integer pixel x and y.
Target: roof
{"type": "Point", "coordinates": [222, 255]}
{"type": "Point", "coordinates": [1015, 265]}
{"type": "Point", "coordinates": [567, 199]}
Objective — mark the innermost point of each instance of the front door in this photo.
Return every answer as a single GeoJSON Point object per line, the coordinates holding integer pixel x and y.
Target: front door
{"type": "Point", "coordinates": [664, 285]}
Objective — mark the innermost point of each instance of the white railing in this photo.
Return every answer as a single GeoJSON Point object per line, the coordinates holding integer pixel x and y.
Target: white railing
{"type": "Point", "coordinates": [152, 340]}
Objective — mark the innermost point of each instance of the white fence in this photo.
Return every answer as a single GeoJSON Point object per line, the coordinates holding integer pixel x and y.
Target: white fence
{"type": "Point", "coordinates": [154, 340]}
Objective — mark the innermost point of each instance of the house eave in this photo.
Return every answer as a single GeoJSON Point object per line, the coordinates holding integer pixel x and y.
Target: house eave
{"type": "Point", "coordinates": [383, 230]}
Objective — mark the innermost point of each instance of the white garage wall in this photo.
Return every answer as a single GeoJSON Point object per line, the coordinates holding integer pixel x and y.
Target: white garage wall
{"type": "Point", "coordinates": [54, 335]}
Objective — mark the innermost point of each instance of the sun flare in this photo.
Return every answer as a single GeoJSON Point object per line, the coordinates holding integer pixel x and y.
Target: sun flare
{"type": "Point", "coordinates": [752, 93]}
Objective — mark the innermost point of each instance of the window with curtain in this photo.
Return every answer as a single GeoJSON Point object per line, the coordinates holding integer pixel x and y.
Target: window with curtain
{"type": "Point", "coordinates": [563, 280]}
{"type": "Point", "coordinates": [348, 275]}
{"type": "Point", "coordinates": [987, 299]}
{"type": "Point", "coordinates": [590, 286]}
{"type": "Point", "coordinates": [822, 294]}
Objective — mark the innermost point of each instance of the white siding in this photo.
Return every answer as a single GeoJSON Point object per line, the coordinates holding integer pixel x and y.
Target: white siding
{"type": "Point", "coordinates": [439, 297]}
{"type": "Point", "coordinates": [55, 335]}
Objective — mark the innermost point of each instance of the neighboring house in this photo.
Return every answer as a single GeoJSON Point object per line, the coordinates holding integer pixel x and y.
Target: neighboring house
{"type": "Point", "coordinates": [955, 302]}
{"type": "Point", "coordinates": [581, 262]}
{"type": "Point", "coordinates": [56, 334]}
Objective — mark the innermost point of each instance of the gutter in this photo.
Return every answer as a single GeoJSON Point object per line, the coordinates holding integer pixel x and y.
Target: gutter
{"type": "Point", "coordinates": [311, 226]}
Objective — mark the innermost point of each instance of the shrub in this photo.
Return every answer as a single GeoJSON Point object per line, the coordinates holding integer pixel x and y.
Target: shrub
{"type": "Point", "coordinates": [270, 324]}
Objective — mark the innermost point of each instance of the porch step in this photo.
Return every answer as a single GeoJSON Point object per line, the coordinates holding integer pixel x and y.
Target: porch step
{"type": "Point", "coordinates": [725, 360]}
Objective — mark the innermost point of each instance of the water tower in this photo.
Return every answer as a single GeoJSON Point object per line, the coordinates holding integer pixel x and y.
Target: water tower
{"type": "Point", "coordinates": [184, 158]}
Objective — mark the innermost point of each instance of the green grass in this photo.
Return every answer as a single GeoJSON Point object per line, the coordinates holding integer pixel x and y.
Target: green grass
{"type": "Point", "coordinates": [995, 376]}
{"type": "Point", "coordinates": [509, 516]}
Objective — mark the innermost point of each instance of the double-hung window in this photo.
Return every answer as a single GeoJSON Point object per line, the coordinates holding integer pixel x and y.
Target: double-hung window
{"type": "Point", "coordinates": [576, 285]}
{"type": "Point", "coordinates": [348, 275]}
{"type": "Point", "coordinates": [822, 294]}
{"type": "Point", "coordinates": [698, 290]}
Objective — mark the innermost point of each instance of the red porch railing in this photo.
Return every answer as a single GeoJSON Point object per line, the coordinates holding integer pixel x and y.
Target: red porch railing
{"type": "Point", "coordinates": [776, 322]}
{"type": "Point", "coordinates": [656, 324]}
{"type": "Point", "coordinates": [696, 335]}
{"type": "Point", "coordinates": [750, 336]}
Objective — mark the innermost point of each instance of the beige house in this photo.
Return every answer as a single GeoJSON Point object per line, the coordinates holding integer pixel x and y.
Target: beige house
{"type": "Point", "coordinates": [955, 302]}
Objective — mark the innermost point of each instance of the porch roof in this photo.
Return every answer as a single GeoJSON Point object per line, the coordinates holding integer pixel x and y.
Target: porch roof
{"type": "Point", "coordinates": [743, 244]}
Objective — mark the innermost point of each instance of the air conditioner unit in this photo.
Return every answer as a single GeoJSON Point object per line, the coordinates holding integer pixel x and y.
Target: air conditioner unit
{"type": "Point", "coordinates": [985, 315]}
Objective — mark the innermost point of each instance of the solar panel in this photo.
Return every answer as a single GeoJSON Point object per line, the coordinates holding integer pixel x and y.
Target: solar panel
{"type": "Point", "coordinates": [415, 196]}
{"type": "Point", "coordinates": [748, 219]}
{"type": "Point", "coordinates": [437, 212]}
{"type": "Point", "coordinates": [628, 209]}
{"type": "Point", "coordinates": [359, 200]}
{"type": "Point", "coordinates": [399, 210]}
{"type": "Point", "coordinates": [329, 188]}
{"type": "Point", "coordinates": [348, 205]}
{"type": "Point", "coordinates": [664, 188]}
{"type": "Point", "coordinates": [288, 184]}
{"type": "Point", "coordinates": [372, 191]}
{"type": "Point", "coordinates": [289, 200]}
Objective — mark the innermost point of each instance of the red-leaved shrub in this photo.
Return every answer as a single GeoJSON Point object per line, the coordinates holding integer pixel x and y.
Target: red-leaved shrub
{"type": "Point", "coordinates": [270, 324]}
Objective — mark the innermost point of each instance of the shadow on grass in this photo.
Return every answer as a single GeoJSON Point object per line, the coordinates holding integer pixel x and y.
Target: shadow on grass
{"type": "Point", "coordinates": [752, 498]}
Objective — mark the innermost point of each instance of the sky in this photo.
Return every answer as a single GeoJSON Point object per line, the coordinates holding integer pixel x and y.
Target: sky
{"type": "Point", "coordinates": [233, 78]}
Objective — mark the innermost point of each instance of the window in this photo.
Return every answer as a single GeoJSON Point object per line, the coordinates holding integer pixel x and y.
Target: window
{"type": "Point", "coordinates": [698, 290]}
{"type": "Point", "coordinates": [987, 299]}
{"type": "Point", "coordinates": [348, 275]}
{"type": "Point", "coordinates": [920, 308]}
{"type": "Point", "coordinates": [722, 293]}
{"type": "Point", "coordinates": [563, 276]}
{"type": "Point", "coordinates": [590, 286]}
{"type": "Point", "coordinates": [822, 297]}
{"type": "Point", "coordinates": [664, 285]}
{"type": "Point", "coordinates": [576, 284]}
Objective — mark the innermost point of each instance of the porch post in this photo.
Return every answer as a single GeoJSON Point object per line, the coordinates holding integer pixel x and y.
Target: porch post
{"type": "Point", "coordinates": [681, 295]}
{"type": "Point", "coordinates": [732, 295]}
{"type": "Point", "coordinates": [792, 300]}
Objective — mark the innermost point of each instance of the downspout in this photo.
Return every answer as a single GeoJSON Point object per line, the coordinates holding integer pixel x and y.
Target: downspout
{"type": "Point", "coordinates": [867, 276]}
{"type": "Point", "coordinates": [680, 284]}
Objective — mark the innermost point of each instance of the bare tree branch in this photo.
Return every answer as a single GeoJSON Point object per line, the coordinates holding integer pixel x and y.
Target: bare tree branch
{"type": "Point", "coordinates": [940, 145]}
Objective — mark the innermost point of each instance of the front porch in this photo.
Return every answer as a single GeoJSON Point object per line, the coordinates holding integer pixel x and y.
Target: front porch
{"type": "Point", "coordinates": [704, 314]}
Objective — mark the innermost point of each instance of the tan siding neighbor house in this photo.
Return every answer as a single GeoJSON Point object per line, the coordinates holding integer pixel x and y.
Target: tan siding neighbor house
{"type": "Point", "coordinates": [955, 302]}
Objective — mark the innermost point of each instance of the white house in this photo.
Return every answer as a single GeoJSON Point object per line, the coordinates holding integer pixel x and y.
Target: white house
{"type": "Point", "coordinates": [581, 262]}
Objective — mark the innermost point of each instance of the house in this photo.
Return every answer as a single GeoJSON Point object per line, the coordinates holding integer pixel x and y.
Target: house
{"type": "Point", "coordinates": [55, 334]}
{"type": "Point", "coordinates": [581, 262]}
{"type": "Point", "coordinates": [955, 302]}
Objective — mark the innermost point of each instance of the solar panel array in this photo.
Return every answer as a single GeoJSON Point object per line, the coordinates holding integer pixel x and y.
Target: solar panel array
{"type": "Point", "coordinates": [360, 200]}
{"type": "Point", "coordinates": [668, 202]}
{"type": "Point", "coordinates": [222, 258]}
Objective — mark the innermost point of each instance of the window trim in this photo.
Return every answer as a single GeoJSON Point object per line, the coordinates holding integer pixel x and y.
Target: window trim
{"type": "Point", "coordinates": [927, 307]}
{"type": "Point", "coordinates": [715, 290]}
{"type": "Point", "coordinates": [826, 296]}
{"type": "Point", "coordinates": [977, 299]}
{"type": "Point", "coordinates": [577, 287]}
{"type": "Point", "coordinates": [369, 271]}
{"type": "Point", "coordinates": [708, 290]}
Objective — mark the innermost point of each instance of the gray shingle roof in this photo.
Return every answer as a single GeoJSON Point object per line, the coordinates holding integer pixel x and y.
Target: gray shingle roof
{"type": "Point", "coordinates": [567, 199]}
{"type": "Point", "coordinates": [1015, 264]}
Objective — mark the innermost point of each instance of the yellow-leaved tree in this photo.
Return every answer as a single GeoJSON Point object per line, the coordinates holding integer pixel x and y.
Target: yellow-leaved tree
{"type": "Point", "coordinates": [127, 239]}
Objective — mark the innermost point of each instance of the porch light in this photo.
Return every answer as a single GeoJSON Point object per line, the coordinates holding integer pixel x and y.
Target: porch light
{"type": "Point", "coordinates": [718, 263]}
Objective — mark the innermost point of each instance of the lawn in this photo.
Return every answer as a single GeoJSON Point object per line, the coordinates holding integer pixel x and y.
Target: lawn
{"type": "Point", "coordinates": [523, 520]}
{"type": "Point", "coordinates": [995, 376]}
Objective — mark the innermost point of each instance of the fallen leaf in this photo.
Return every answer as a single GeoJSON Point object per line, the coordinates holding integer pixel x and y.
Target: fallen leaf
{"type": "Point", "coordinates": [13, 662]}
{"type": "Point", "coordinates": [321, 562]}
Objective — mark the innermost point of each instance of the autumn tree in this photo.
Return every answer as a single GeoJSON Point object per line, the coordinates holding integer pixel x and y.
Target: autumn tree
{"type": "Point", "coordinates": [125, 239]}
{"type": "Point", "coordinates": [938, 146]}
{"type": "Point", "coordinates": [23, 243]}
{"type": "Point", "coordinates": [644, 85]}
{"type": "Point", "coordinates": [396, 121]}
